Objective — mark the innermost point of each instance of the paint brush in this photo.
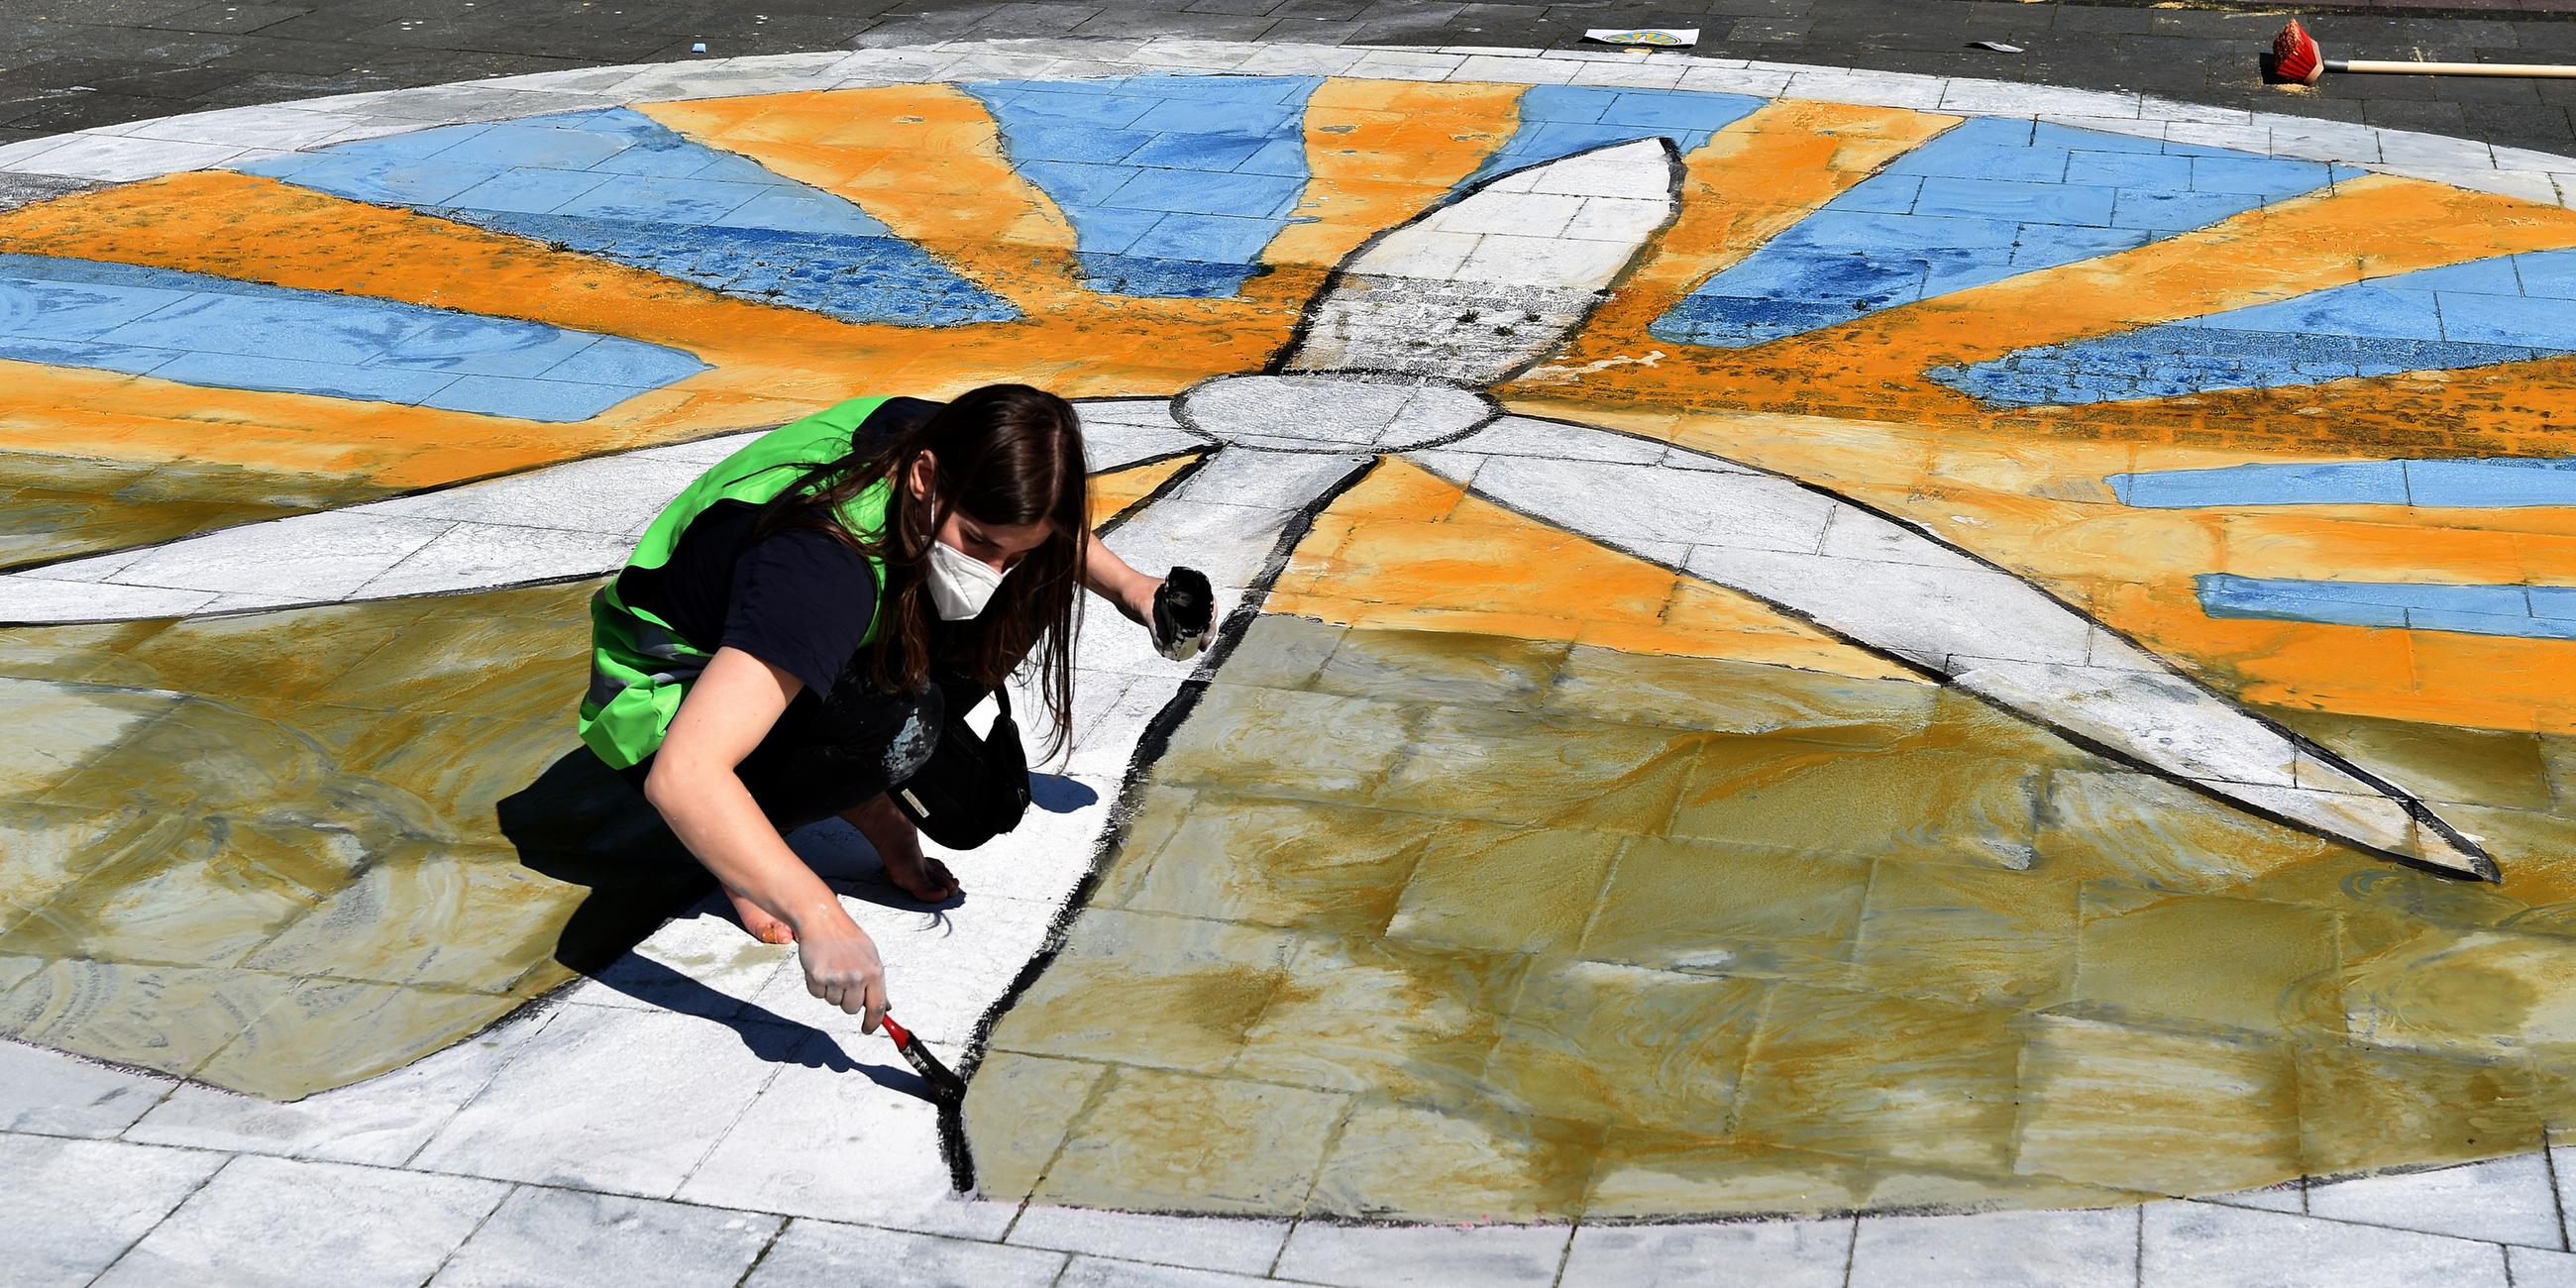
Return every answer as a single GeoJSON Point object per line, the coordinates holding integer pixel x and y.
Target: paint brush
{"type": "Point", "coordinates": [942, 1079]}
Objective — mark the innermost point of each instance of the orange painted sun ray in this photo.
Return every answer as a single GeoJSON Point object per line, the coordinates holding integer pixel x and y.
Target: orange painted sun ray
{"type": "Point", "coordinates": [1380, 152]}
{"type": "Point", "coordinates": [2270, 253]}
{"type": "Point", "coordinates": [1408, 550]}
{"type": "Point", "coordinates": [1115, 492]}
{"type": "Point", "coordinates": [1749, 183]}
{"type": "Point", "coordinates": [968, 206]}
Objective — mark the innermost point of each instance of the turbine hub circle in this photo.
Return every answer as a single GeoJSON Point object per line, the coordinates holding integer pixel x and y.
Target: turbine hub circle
{"type": "Point", "coordinates": [1335, 413]}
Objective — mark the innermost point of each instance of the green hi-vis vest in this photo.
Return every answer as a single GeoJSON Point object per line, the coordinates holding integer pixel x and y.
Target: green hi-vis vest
{"type": "Point", "coordinates": [639, 667]}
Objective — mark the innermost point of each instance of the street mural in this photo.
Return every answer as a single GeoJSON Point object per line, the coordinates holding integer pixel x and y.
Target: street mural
{"type": "Point", "coordinates": [1793, 656]}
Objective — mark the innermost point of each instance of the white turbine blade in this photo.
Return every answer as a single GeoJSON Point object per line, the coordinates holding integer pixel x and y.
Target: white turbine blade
{"type": "Point", "coordinates": [553, 523]}
{"type": "Point", "coordinates": [1904, 593]}
{"type": "Point", "coordinates": [557, 522]}
{"type": "Point", "coordinates": [1227, 518]}
{"type": "Point", "coordinates": [1119, 432]}
{"type": "Point", "coordinates": [1481, 288]}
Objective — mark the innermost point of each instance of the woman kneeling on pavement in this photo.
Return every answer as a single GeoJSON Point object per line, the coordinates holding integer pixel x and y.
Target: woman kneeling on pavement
{"type": "Point", "coordinates": [793, 630]}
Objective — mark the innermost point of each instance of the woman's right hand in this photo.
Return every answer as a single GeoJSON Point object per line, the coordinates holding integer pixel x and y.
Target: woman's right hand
{"type": "Point", "coordinates": [841, 967]}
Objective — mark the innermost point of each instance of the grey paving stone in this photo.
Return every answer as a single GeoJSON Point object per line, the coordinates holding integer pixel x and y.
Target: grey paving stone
{"type": "Point", "coordinates": [821, 1252]}
{"type": "Point", "coordinates": [2504, 1200]}
{"type": "Point", "coordinates": [53, 1094]}
{"type": "Point", "coordinates": [69, 1207]}
{"type": "Point", "coordinates": [1406, 1256]}
{"type": "Point", "coordinates": [612, 1099]}
{"type": "Point", "coordinates": [2535, 1268]}
{"type": "Point", "coordinates": [383, 1120]}
{"type": "Point", "coordinates": [1777, 1254]}
{"type": "Point", "coordinates": [824, 1139]}
{"type": "Point", "coordinates": [347, 550]}
{"type": "Point", "coordinates": [2204, 1245]}
{"type": "Point", "coordinates": [25, 189]}
{"type": "Point", "coordinates": [2288, 1196]}
{"type": "Point", "coordinates": [542, 1236]}
{"type": "Point", "coordinates": [1246, 1247]}
{"type": "Point", "coordinates": [274, 1221]}
{"type": "Point", "coordinates": [1098, 1272]}
{"type": "Point", "coordinates": [2038, 1249]}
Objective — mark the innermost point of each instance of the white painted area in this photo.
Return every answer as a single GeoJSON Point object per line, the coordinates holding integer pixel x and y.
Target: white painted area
{"type": "Point", "coordinates": [1323, 412]}
{"type": "Point", "coordinates": [1775, 1254]}
{"type": "Point", "coordinates": [1493, 1256]}
{"type": "Point", "coordinates": [2087, 1249]}
{"type": "Point", "coordinates": [279, 1221]}
{"type": "Point", "coordinates": [72, 1207]}
{"type": "Point", "coordinates": [1496, 279]}
{"type": "Point", "coordinates": [548, 1236]}
{"type": "Point", "coordinates": [2504, 1200]}
{"type": "Point", "coordinates": [2215, 1246]}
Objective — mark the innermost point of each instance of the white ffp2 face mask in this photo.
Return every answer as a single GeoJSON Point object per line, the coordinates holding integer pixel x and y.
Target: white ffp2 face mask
{"type": "Point", "coordinates": [960, 585]}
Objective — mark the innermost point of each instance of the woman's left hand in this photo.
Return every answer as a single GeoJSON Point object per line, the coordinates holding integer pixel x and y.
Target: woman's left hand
{"type": "Point", "coordinates": [1182, 614]}
{"type": "Point", "coordinates": [1138, 602]}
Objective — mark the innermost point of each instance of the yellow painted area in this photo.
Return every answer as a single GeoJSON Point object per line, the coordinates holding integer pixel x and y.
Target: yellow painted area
{"type": "Point", "coordinates": [1410, 550]}
{"type": "Point", "coordinates": [1117, 491]}
{"type": "Point", "coordinates": [1749, 183]}
{"type": "Point", "coordinates": [926, 160]}
{"type": "Point", "coordinates": [1378, 153]}
{"type": "Point", "coordinates": [2276, 252]}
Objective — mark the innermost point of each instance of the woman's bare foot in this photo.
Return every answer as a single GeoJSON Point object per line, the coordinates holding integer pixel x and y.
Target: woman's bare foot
{"type": "Point", "coordinates": [763, 927]}
{"type": "Point", "coordinates": [898, 843]}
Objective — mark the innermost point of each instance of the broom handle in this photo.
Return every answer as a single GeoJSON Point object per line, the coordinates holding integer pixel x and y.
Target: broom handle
{"type": "Point", "coordinates": [2553, 71]}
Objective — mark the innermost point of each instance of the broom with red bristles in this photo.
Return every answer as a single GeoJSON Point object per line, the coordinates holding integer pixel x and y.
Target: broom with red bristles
{"type": "Point", "coordinates": [2295, 57]}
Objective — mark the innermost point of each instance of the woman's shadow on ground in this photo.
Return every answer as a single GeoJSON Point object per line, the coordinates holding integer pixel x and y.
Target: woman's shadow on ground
{"type": "Point", "coordinates": [581, 824]}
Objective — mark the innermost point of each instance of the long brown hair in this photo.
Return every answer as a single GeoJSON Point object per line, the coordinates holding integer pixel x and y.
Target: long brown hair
{"type": "Point", "coordinates": [1006, 455]}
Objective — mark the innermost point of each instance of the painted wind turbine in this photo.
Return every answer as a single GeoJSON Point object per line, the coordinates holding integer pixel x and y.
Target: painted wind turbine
{"type": "Point", "coordinates": [1394, 357]}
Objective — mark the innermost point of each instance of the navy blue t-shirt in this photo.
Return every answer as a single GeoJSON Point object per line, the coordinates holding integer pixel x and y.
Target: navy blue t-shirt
{"type": "Point", "coordinates": [797, 599]}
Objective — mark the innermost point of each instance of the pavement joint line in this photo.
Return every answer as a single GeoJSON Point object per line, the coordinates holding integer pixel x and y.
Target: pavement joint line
{"type": "Point", "coordinates": [158, 1222]}
{"type": "Point", "coordinates": [509, 1190]}
{"type": "Point", "coordinates": [2138, 1260]}
{"type": "Point", "coordinates": [2557, 1195]}
{"type": "Point", "coordinates": [2284, 135]}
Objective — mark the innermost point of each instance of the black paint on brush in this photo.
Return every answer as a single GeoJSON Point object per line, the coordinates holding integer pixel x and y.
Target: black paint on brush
{"type": "Point", "coordinates": [945, 1085]}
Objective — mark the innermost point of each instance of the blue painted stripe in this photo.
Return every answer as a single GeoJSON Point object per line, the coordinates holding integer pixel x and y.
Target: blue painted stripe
{"type": "Point", "coordinates": [1989, 199]}
{"type": "Point", "coordinates": [2531, 612]}
{"type": "Point", "coordinates": [201, 330]}
{"type": "Point", "coordinates": [2474, 482]}
{"type": "Point", "coordinates": [1173, 184]}
{"type": "Point", "coordinates": [2478, 314]}
{"type": "Point", "coordinates": [619, 185]}
{"type": "Point", "coordinates": [1561, 120]}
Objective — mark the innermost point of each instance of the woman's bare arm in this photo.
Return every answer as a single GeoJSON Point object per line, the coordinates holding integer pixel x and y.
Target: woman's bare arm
{"type": "Point", "coordinates": [1109, 577]}
{"type": "Point", "coordinates": [729, 709]}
